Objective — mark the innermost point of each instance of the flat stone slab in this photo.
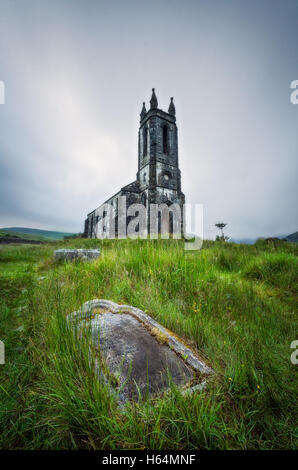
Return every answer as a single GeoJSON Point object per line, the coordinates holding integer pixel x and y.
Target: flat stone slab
{"type": "Point", "coordinates": [137, 354]}
{"type": "Point", "coordinates": [80, 254]}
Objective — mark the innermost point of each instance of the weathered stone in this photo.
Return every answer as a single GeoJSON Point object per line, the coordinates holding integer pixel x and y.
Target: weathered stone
{"type": "Point", "coordinates": [80, 254]}
{"type": "Point", "coordinates": [141, 356]}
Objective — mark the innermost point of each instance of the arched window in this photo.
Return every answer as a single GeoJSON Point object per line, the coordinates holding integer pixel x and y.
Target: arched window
{"type": "Point", "coordinates": [145, 139]}
{"type": "Point", "coordinates": [144, 199]}
{"type": "Point", "coordinates": [165, 138]}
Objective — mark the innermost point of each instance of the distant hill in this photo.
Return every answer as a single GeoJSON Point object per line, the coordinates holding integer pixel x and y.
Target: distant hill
{"type": "Point", "coordinates": [292, 238]}
{"type": "Point", "coordinates": [33, 233]}
{"type": "Point", "coordinates": [250, 241]}
{"type": "Point", "coordinates": [247, 241]}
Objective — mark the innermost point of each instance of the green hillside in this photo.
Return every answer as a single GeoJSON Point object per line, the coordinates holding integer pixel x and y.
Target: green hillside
{"type": "Point", "coordinates": [292, 238]}
{"type": "Point", "coordinates": [34, 233]}
{"type": "Point", "coordinates": [25, 236]}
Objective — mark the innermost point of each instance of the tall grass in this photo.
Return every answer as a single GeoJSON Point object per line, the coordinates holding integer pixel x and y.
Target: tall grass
{"type": "Point", "coordinates": [236, 304]}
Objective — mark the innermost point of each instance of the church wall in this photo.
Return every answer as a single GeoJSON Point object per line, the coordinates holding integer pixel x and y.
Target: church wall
{"type": "Point", "coordinates": [144, 177]}
{"type": "Point", "coordinates": [167, 176]}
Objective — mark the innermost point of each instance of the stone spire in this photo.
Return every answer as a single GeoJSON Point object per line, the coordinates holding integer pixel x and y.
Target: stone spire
{"type": "Point", "coordinates": [144, 111]}
{"type": "Point", "coordinates": [153, 101]}
{"type": "Point", "coordinates": [172, 109]}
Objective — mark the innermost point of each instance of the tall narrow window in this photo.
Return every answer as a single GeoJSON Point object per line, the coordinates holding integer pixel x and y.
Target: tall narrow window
{"type": "Point", "coordinates": [145, 139]}
{"type": "Point", "coordinates": [144, 199]}
{"type": "Point", "coordinates": [165, 138]}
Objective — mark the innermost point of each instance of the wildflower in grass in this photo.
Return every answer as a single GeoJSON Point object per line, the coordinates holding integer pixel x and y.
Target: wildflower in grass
{"type": "Point", "coordinates": [230, 378]}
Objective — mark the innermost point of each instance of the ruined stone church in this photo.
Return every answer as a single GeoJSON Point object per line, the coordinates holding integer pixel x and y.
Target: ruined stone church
{"type": "Point", "coordinates": [158, 180]}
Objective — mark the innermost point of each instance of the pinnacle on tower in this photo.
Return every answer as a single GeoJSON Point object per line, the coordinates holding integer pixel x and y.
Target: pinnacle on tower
{"type": "Point", "coordinates": [144, 111]}
{"type": "Point", "coordinates": [153, 101]}
{"type": "Point", "coordinates": [172, 109]}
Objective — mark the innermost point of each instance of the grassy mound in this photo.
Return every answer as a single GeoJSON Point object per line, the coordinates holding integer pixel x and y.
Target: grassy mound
{"type": "Point", "coordinates": [277, 269]}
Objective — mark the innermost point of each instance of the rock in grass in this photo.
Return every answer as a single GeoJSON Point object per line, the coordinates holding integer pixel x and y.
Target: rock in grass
{"type": "Point", "coordinates": [136, 355]}
{"type": "Point", "coordinates": [80, 254]}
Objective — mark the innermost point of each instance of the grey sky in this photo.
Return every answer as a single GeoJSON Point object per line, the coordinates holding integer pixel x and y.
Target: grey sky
{"type": "Point", "coordinates": [76, 73]}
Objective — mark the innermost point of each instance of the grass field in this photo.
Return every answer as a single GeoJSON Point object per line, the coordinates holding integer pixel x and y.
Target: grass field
{"type": "Point", "coordinates": [237, 304]}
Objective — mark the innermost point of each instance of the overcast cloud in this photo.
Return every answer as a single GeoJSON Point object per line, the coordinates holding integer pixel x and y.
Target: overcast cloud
{"type": "Point", "coordinates": [76, 73]}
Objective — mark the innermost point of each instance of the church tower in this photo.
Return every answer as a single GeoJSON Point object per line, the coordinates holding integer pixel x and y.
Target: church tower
{"type": "Point", "coordinates": [158, 174]}
{"type": "Point", "coordinates": [158, 177]}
